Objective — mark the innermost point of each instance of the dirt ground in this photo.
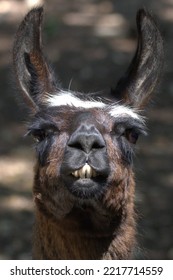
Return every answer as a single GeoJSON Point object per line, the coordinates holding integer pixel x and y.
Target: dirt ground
{"type": "Point", "coordinates": [90, 44]}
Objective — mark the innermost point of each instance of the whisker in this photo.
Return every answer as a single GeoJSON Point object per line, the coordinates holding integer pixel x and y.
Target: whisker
{"type": "Point", "coordinates": [69, 87]}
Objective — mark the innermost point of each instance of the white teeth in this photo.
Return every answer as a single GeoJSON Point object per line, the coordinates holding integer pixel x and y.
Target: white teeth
{"type": "Point", "coordinates": [82, 173]}
{"type": "Point", "coordinates": [75, 173]}
{"type": "Point", "coordinates": [85, 172]}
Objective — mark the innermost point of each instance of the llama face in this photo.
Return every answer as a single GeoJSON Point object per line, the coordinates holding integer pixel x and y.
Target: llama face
{"type": "Point", "coordinates": [85, 142]}
{"type": "Point", "coordinates": [91, 131]}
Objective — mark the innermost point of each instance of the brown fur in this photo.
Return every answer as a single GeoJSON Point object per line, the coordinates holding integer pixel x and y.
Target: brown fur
{"type": "Point", "coordinates": [70, 226]}
{"type": "Point", "coordinates": [66, 228]}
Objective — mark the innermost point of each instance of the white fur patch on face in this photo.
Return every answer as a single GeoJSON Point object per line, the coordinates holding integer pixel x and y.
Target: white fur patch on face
{"type": "Point", "coordinates": [68, 99]}
{"type": "Point", "coordinates": [120, 111]}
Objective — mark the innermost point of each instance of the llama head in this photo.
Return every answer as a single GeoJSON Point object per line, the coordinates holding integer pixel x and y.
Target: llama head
{"type": "Point", "coordinates": [84, 142]}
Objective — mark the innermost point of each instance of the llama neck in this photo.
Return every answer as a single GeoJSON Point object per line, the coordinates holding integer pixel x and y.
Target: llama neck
{"type": "Point", "coordinates": [67, 240]}
{"type": "Point", "coordinates": [91, 229]}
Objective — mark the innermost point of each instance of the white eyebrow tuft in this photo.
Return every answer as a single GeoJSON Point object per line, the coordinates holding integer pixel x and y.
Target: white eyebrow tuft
{"type": "Point", "coordinates": [65, 98]}
{"type": "Point", "coordinates": [121, 110]}
{"type": "Point", "coordinates": [68, 99]}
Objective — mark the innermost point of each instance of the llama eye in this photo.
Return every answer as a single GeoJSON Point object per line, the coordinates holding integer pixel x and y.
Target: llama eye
{"type": "Point", "coordinates": [131, 135]}
{"type": "Point", "coordinates": [39, 135]}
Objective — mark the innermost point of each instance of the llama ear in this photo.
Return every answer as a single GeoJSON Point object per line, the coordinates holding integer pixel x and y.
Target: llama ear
{"type": "Point", "coordinates": [33, 73]}
{"type": "Point", "coordinates": [136, 87]}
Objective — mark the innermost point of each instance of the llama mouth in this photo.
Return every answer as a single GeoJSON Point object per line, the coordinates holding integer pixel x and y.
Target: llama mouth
{"type": "Point", "coordinates": [86, 172]}
{"type": "Point", "coordinates": [86, 182]}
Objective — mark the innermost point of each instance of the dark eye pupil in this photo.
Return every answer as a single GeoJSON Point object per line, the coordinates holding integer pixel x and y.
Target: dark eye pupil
{"type": "Point", "coordinates": [39, 135]}
{"type": "Point", "coordinates": [131, 136]}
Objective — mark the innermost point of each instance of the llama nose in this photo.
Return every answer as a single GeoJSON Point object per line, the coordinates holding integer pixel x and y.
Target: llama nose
{"type": "Point", "coordinates": [86, 138]}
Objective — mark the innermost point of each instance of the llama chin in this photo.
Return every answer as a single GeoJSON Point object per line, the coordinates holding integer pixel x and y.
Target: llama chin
{"type": "Point", "coordinates": [84, 183]}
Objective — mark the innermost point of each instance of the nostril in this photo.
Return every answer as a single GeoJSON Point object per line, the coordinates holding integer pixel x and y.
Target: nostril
{"type": "Point", "coordinates": [97, 145]}
{"type": "Point", "coordinates": [76, 145]}
{"type": "Point", "coordinates": [87, 143]}
{"type": "Point", "coordinates": [87, 139]}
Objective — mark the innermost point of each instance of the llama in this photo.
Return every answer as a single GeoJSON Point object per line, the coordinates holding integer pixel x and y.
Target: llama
{"type": "Point", "coordinates": [84, 182]}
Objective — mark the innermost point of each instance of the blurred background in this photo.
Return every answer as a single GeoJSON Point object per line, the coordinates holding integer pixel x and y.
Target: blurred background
{"type": "Point", "coordinates": [90, 44]}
